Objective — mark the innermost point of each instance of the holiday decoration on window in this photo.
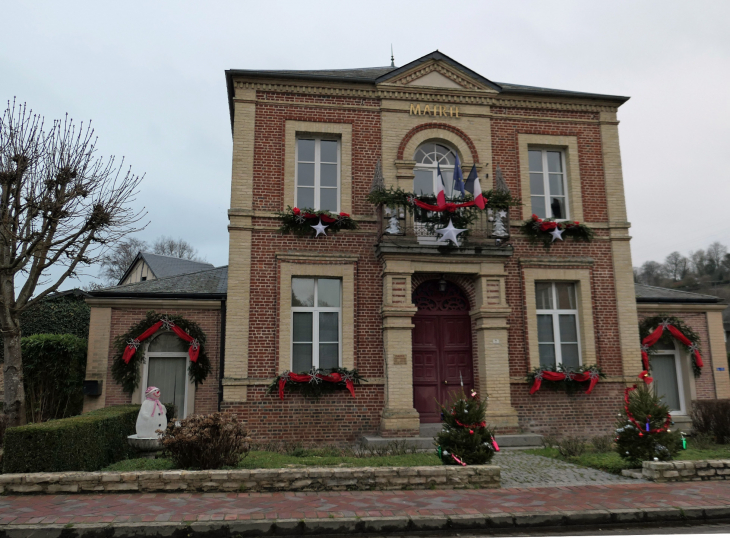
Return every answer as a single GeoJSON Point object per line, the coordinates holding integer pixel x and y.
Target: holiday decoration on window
{"type": "Point", "coordinates": [465, 438]}
{"type": "Point", "coordinates": [643, 429]}
{"type": "Point", "coordinates": [127, 361]}
{"type": "Point", "coordinates": [651, 330]}
{"type": "Point", "coordinates": [427, 210]}
{"type": "Point", "coordinates": [304, 222]}
{"type": "Point", "coordinates": [316, 382]}
{"type": "Point", "coordinates": [567, 379]}
{"type": "Point", "coordinates": [547, 231]}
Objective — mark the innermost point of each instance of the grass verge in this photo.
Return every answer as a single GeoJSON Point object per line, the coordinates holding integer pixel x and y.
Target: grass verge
{"type": "Point", "coordinates": [306, 458]}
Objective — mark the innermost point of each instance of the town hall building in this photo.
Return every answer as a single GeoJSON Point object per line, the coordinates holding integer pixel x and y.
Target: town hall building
{"type": "Point", "coordinates": [416, 314]}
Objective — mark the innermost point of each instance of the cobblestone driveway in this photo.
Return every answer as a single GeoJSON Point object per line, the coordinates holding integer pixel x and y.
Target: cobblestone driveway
{"type": "Point", "coordinates": [527, 470]}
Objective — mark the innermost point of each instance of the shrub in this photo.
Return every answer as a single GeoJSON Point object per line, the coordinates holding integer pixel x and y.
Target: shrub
{"type": "Point", "coordinates": [54, 367]}
{"type": "Point", "coordinates": [571, 446]}
{"type": "Point", "coordinates": [206, 441]}
{"type": "Point", "coordinates": [602, 443]}
{"type": "Point", "coordinates": [701, 441]}
{"type": "Point", "coordinates": [549, 441]}
{"type": "Point", "coordinates": [3, 427]}
{"type": "Point", "coordinates": [633, 442]}
{"type": "Point", "coordinates": [170, 411]}
{"type": "Point", "coordinates": [86, 442]}
{"type": "Point", "coordinates": [465, 434]}
{"type": "Point", "coordinates": [712, 417]}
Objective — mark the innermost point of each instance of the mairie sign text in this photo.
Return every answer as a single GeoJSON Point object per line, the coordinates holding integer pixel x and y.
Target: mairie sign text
{"type": "Point", "coordinates": [434, 110]}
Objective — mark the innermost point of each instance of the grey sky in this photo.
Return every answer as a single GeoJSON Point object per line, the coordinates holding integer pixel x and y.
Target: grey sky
{"type": "Point", "coordinates": [150, 76]}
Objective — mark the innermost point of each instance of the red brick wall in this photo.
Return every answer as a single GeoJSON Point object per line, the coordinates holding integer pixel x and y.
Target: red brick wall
{"type": "Point", "coordinates": [705, 384]}
{"type": "Point", "coordinates": [206, 395]}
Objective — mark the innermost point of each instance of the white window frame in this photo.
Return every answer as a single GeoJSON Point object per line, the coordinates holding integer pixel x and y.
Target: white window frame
{"type": "Point", "coordinates": [556, 313]}
{"type": "Point", "coordinates": [546, 181]}
{"type": "Point", "coordinates": [433, 168]}
{"type": "Point", "coordinates": [317, 170]}
{"type": "Point", "coordinates": [678, 368]}
{"type": "Point", "coordinates": [315, 310]}
{"type": "Point", "coordinates": [166, 354]}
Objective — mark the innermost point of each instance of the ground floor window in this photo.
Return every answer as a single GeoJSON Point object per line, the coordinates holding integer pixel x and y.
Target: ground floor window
{"type": "Point", "coordinates": [167, 369]}
{"type": "Point", "coordinates": [557, 324]}
{"type": "Point", "coordinates": [316, 323]}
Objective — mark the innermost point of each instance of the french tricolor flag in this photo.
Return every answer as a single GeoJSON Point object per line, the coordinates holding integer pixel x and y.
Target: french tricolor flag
{"type": "Point", "coordinates": [440, 193]}
{"type": "Point", "coordinates": [476, 188]}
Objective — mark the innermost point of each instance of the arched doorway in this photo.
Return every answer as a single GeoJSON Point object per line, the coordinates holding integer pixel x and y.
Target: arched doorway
{"type": "Point", "coordinates": [442, 357]}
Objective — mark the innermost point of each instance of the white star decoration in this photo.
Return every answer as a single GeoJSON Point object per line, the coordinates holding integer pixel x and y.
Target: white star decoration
{"type": "Point", "coordinates": [557, 234]}
{"type": "Point", "coordinates": [449, 233]}
{"type": "Point", "coordinates": [502, 214]}
{"type": "Point", "coordinates": [320, 228]}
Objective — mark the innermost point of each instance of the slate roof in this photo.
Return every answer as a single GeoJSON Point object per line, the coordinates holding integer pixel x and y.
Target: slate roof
{"type": "Point", "coordinates": [164, 266]}
{"type": "Point", "coordinates": [211, 283]}
{"type": "Point", "coordinates": [655, 294]}
{"type": "Point", "coordinates": [376, 75]}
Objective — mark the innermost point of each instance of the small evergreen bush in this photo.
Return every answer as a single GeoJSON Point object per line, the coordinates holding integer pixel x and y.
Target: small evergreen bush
{"type": "Point", "coordinates": [712, 417]}
{"type": "Point", "coordinates": [465, 433]}
{"type": "Point", "coordinates": [86, 442]}
{"type": "Point", "coordinates": [571, 446]}
{"type": "Point", "coordinates": [206, 441]}
{"type": "Point", "coordinates": [602, 443]}
{"type": "Point", "coordinates": [54, 367]}
{"type": "Point", "coordinates": [634, 443]}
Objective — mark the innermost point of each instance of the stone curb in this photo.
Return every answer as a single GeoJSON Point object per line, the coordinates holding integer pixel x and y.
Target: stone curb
{"type": "Point", "coordinates": [256, 480]}
{"type": "Point", "coordinates": [365, 525]}
{"type": "Point", "coordinates": [685, 471]}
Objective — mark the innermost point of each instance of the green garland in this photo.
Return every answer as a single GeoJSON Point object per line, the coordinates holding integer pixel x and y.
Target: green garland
{"type": "Point", "coordinates": [462, 217]}
{"type": "Point", "coordinates": [568, 385]}
{"type": "Point", "coordinates": [647, 326]}
{"type": "Point", "coordinates": [128, 374]}
{"type": "Point", "coordinates": [538, 230]}
{"type": "Point", "coordinates": [300, 221]}
{"type": "Point", "coordinates": [316, 390]}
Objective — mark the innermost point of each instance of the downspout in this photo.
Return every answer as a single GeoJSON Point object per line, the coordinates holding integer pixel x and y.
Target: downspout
{"type": "Point", "coordinates": [221, 366]}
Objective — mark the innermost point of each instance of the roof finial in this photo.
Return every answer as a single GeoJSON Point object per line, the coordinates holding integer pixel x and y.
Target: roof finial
{"type": "Point", "coordinates": [392, 58]}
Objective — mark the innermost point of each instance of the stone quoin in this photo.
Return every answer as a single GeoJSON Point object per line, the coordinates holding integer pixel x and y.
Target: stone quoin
{"type": "Point", "coordinates": [413, 313]}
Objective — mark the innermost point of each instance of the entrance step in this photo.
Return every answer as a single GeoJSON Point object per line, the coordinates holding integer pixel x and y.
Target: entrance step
{"type": "Point", "coordinates": [425, 441]}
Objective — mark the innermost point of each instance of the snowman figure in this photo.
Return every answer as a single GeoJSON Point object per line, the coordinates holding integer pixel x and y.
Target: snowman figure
{"type": "Point", "coordinates": [152, 416]}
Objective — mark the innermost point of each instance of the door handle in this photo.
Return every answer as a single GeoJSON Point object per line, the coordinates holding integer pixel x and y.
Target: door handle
{"type": "Point", "coordinates": [446, 382]}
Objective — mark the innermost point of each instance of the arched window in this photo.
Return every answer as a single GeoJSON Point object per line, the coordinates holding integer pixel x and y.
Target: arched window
{"type": "Point", "coordinates": [667, 373]}
{"type": "Point", "coordinates": [167, 369]}
{"type": "Point", "coordinates": [427, 157]}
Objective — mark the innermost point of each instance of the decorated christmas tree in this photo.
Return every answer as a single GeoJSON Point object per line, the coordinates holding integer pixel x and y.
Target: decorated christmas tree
{"type": "Point", "coordinates": [644, 429]}
{"type": "Point", "coordinates": [465, 438]}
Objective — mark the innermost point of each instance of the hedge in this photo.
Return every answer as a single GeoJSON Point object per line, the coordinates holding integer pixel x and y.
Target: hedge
{"type": "Point", "coordinates": [87, 442]}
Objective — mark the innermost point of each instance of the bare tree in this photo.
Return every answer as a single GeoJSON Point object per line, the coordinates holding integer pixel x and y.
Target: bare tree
{"type": "Point", "coordinates": [177, 248]}
{"type": "Point", "coordinates": [60, 204]}
{"type": "Point", "coordinates": [117, 260]}
{"type": "Point", "coordinates": [716, 253]}
{"type": "Point", "coordinates": [651, 274]}
{"type": "Point", "coordinates": [676, 266]}
{"type": "Point", "coordinates": [698, 262]}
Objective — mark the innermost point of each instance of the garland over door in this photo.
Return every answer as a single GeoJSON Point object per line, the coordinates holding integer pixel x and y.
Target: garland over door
{"type": "Point", "coordinates": [442, 356]}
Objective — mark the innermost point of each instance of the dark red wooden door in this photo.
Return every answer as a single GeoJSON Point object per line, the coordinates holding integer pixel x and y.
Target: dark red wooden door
{"type": "Point", "coordinates": [441, 347]}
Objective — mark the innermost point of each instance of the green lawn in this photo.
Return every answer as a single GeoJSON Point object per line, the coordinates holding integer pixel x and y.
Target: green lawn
{"type": "Point", "coordinates": [611, 462]}
{"type": "Point", "coordinates": [306, 458]}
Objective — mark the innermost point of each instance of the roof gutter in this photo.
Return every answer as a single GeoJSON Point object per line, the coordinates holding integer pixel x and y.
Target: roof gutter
{"type": "Point", "coordinates": [151, 295]}
{"type": "Point", "coordinates": [666, 300]}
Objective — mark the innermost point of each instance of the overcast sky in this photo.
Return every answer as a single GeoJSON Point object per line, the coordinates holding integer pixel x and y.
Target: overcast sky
{"type": "Point", "coordinates": [150, 76]}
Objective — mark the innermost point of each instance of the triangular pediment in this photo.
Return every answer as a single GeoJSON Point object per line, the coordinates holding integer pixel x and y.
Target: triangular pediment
{"type": "Point", "coordinates": [436, 70]}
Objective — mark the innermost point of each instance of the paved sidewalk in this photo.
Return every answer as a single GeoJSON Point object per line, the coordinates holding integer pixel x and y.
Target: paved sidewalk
{"type": "Point", "coordinates": [527, 470]}
{"type": "Point", "coordinates": [376, 511]}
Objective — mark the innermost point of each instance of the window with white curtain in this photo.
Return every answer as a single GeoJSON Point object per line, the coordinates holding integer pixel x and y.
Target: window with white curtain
{"type": "Point", "coordinates": [316, 323]}
{"type": "Point", "coordinates": [557, 324]}
{"type": "Point", "coordinates": [548, 186]}
{"type": "Point", "coordinates": [667, 373]}
{"type": "Point", "coordinates": [166, 368]}
{"type": "Point", "coordinates": [318, 174]}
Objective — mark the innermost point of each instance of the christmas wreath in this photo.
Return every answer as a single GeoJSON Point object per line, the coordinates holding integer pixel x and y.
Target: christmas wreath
{"type": "Point", "coordinates": [316, 382]}
{"type": "Point", "coordinates": [425, 208]}
{"type": "Point", "coordinates": [547, 231]}
{"type": "Point", "coordinates": [651, 330]}
{"type": "Point", "coordinates": [567, 379]}
{"type": "Point", "coordinates": [126, 363]}
{"type": "Point", "coordinates": [303, 222]}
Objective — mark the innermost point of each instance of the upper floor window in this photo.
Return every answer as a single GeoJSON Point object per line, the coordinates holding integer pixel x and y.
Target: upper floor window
{"type": "Point", "coordinates": [547, 184]}
{"type": "Point", "coordinates": [318, 174]}
{"type": "Point", "coordinates": [557, 324]}
{"type": "Point", "coordinates": [427, 157]}
{"type": "Point", "coordinates": [316, 323]}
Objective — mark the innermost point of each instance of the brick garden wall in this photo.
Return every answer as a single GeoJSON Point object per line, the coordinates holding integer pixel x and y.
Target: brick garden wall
{"type": "Point", "coordinates": [206, 395]}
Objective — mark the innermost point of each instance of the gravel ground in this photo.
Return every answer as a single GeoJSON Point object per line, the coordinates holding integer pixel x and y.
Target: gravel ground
{"type": "Point", "coordinates": [527, 470]}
